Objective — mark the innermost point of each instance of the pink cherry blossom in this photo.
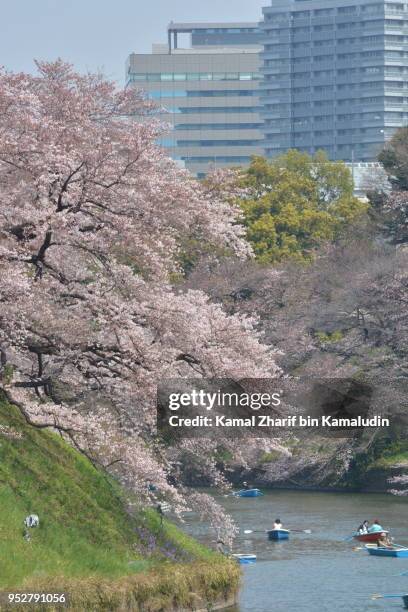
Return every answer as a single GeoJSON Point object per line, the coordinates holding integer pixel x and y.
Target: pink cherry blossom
{"type": "Point", "coordinates": [91, 216]}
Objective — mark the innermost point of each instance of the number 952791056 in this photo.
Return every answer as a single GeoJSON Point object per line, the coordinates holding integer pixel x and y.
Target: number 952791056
{"type": "Point", "coordinates": [24, 597]}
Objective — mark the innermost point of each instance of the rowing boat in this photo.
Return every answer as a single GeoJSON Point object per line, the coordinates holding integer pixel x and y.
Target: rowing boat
{"type": "Point", "coordinates": [243, 558]}
{"type": "Point", "coordinates": [278, 534]}
{"type": "Point", "coordinates": [387, 552]}
{"type": "Point", "coordinates": [248, 493]}
{"type": "Point", "coordinates": [369, 537]}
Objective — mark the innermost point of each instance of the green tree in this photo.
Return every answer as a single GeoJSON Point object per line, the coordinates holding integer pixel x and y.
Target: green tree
{"type": "Point", "coordinates": [296, 202]}
{"type": "Point", "coordinates": [394, 158]}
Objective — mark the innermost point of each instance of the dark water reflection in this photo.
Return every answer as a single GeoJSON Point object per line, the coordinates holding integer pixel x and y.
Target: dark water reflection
{"type": "Point", "coordinates": [318, 572]}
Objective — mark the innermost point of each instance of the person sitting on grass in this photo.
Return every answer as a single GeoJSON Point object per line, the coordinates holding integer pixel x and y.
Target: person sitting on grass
{"type": "Point", "coordinates": [159, 509]}
{"type": "Point", "coordinates": [375, 527]}
{"type": "Point", "coordinates": [221, 547]}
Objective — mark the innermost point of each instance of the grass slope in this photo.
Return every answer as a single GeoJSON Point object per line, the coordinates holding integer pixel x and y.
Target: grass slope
{"type": "Point", "coordinates": [86, 541]}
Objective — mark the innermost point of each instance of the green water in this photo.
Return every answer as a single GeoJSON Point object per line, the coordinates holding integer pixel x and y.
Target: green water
{"type": "Point", "coordinates": [318, 572]}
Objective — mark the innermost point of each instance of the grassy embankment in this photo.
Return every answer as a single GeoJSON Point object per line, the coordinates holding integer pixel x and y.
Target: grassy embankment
{"type": "Point", "coordinates": [86, 543]}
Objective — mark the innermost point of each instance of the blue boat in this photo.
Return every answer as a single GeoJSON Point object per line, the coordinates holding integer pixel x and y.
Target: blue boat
{"type": "Point", "coordinates": [405, 600]}
{"type": "Point", "coordinates": [248, 493]}
{"type": "Point", "coordinates": [387, 552]}
{"type": "Point", "coordinates": [278, 534]}
{"type": "Point", "coordinates": [243, 559]}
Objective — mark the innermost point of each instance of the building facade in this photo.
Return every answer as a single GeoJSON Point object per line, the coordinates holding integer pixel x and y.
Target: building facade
{"type": "Point", "coordinates": [208, 92]}
{"type": "Point", "coordinates": [335, 76]}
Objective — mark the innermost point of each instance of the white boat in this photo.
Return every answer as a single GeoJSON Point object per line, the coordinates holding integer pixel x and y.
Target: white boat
{"type": "Point", "coordinates": [244, 558]}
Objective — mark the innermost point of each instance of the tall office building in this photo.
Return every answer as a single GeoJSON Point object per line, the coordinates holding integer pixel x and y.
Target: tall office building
{"type": "Point", "coordinates": [335, 76]}
{"type": "Point", "coordinates": [209, 91]}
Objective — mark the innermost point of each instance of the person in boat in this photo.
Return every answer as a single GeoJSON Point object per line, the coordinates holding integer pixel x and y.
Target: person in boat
{"type": "Point", "coordinates": [363, 528]}
{"type": "Point", "coordinates": [384, 541]}
{"type": "Point", "coordinates": [277, 524]}
{"type": "Point", "coordinates": [375, 527]}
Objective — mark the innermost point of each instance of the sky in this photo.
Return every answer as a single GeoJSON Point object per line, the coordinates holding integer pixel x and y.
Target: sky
{"type": "Point", "coordinates": [98, 35]}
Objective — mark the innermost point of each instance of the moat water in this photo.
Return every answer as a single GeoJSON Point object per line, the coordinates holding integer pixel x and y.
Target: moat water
{"type": "Point", "coordinates": [317, 572]}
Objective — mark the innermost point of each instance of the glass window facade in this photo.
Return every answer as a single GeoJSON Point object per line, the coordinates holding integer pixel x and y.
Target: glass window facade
{"type": "Point", "coordinates": [217, 143]}
{"type": "Point", "coordinates": [205, 93]}
{"type": "Point", "coordinates": [333, 81]}
{"type": "Point", "coordinates": [217, 126]}
{"type": "Point", "coordinates": [218, 110]}
{"type": "Point", "coordinates": [220, 159]}
{"type": "Point", "coordinates": [194, 76]}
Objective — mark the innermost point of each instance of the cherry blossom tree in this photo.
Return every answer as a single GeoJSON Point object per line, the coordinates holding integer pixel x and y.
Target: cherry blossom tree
{"type": "Point", "coordinates": [92, 214]}
{"type": "Point", "coordinates": [401, 482]}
